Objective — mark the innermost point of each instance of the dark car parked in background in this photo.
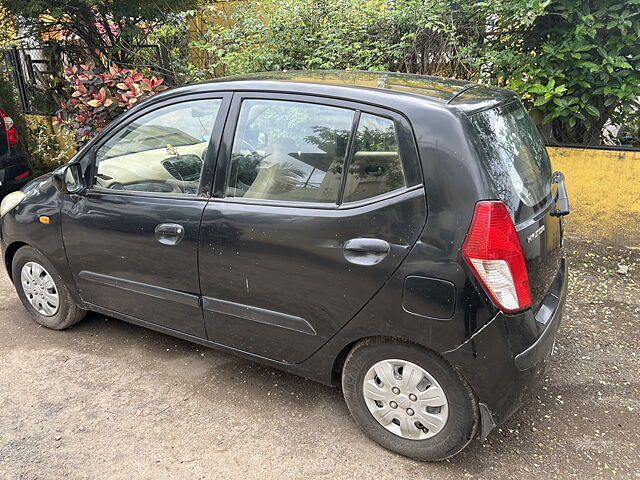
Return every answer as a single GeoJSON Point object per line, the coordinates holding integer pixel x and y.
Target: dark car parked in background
{"type": "Point", "coordinates": [398, 235]}
{"type": "Point", "coordinates": [14, 167]}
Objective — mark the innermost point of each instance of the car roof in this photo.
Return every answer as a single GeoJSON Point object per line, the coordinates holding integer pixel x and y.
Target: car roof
{"type": "Point", "coordinates": [465, 95]}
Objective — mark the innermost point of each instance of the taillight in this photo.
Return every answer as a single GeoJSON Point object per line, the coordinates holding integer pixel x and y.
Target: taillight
{"type": "Point", "coordinates": [493, 252]}
{"type": "Point", "coordinates": [12, 131]}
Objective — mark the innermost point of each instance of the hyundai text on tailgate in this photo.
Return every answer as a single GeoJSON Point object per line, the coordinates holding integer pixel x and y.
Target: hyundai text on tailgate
{"type": "Point", "coordinates": [397, 235]}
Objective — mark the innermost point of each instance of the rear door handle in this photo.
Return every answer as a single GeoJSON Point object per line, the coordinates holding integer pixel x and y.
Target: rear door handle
{"type": "Point", "coordinates": [169, 233]}
{"type": "Point", "coordinates": [367, 245]}
{"type": "Point", "coordinates": [365, 251]}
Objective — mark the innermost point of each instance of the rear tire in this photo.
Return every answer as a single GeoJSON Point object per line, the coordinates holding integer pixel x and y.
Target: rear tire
{"type": "Point", "coordinates": [42, 291]}
{"type": "Point", "coordinates": [426, 409]}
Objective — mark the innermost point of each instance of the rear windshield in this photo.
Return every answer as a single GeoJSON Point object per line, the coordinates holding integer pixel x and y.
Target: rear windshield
{"type": "Point", "coordinates": [515, 157]}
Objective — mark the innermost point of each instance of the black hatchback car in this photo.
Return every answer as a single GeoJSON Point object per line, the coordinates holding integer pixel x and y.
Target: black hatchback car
{"type": "Point", "coordinates": [399, 235]}
{"type": "Point", "coordinates": [14, 167]}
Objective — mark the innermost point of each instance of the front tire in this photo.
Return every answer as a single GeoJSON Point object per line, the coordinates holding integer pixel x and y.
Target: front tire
{"type": "Point", "coordinates": [408, 399]}
{"type": "Point", "coordinates": [42, 291]}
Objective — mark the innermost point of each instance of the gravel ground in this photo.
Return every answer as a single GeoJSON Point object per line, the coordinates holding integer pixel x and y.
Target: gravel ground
{"type": "Point", "coordinates": [106, 399]}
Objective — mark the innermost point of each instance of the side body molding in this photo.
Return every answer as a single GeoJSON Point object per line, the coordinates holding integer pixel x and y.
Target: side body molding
{"type": "Point", "coordinates": [245, 312]}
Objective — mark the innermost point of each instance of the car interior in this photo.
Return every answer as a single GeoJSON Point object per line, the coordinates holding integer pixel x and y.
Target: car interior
{"type": "Point", "coordinates": [163, 151]}
{"type": "Point", "coordinates": [286, 151]}
{"type": "Point", "coordinates": [307, 166]}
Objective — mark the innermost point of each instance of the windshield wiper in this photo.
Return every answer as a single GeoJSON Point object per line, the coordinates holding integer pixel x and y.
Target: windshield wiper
{"type": "Point", "coordinates": [561, 206]}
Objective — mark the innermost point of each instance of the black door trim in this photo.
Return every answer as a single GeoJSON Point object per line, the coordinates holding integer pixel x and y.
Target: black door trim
{"type": "Point", "coordinates": [189, 299]}
{"type": "Point", "coordinates": [245, 312]}
{"type": "Point", "coordinates": [257, 314]}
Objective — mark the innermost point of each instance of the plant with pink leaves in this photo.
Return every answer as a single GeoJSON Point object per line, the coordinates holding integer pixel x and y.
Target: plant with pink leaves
{"type": "Point", "coordinates": [97, 97]}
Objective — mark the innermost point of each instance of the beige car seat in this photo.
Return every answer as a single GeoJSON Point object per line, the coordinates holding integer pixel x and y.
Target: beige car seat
{"type": "Point", "coordinates": [276, 160]}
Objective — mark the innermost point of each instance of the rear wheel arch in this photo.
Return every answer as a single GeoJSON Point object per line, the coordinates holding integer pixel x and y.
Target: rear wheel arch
{"type": "Point", "coordinates": [338, 363]}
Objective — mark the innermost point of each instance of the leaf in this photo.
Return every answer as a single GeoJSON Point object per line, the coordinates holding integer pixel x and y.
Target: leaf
{"type": "Point", "coordinates": [540, 101]}
{"type": "Point", "coordinates": [94, 102]}
{"type": "Point", "coordinates": [593, 111]}
{"type": "Point", "coordinates": [538, 88]}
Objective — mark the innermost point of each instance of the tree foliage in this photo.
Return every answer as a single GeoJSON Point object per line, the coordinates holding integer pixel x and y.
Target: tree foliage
{"type": "Point", "coordinates": [99, 25]}
{"type": "Point", "coordinates": [407, 35]}
{"type": "Point", "coordinates": [577, 65]}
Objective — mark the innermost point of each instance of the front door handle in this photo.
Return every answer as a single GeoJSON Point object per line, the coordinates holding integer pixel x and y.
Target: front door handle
{"type": "Point", "coordinates": [169, 233]}
{"type": "Point", "coordinates": [365, 251]}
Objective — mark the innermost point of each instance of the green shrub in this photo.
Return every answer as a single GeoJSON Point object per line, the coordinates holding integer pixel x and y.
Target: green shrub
{"type": "Point", "coordinates": [577, 65]}
{"type": "Point", "coordinates": [415, 36]}
{"type": "Point", "coordinates": [45, 150]}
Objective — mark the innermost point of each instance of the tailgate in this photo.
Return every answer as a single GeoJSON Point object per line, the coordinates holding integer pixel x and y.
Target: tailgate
{"type": "Point", "coordinates": [517, 162]}
{"type": "Point", "coordinates": [541, 239]}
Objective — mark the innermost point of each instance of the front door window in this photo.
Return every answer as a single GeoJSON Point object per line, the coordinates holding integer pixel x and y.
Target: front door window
{"type": "Point", "coordinates": [163, 151]}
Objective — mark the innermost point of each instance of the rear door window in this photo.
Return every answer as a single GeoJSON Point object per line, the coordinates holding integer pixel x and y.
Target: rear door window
{"type": "Point", "coordinates": [516, 158]}
{"type": "Point", "coordinates": [375, 167]}
{"type": "Point", "coordinates": [289, 151]}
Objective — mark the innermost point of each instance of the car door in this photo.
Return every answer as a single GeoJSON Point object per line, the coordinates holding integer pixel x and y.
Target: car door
{"type": "Point", "coordinates": [293, 243]}
{"type": "Point", "coordinates": [131, 238]}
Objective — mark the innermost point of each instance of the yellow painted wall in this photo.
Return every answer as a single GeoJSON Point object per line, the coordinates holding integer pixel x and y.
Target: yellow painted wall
{"type": "Point", "coordinates": [604, 191]}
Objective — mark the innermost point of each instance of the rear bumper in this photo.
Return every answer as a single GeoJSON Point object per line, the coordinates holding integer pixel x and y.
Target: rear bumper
{"type": "Point", "coordinates": [507, 358]}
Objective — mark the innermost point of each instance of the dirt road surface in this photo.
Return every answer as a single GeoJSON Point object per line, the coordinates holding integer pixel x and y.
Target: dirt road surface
{"type": "Point", "coordinates": [110, 400]}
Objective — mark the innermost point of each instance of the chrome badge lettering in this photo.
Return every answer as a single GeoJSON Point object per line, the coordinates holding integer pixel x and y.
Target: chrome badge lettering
{"type": "Point", "coordinates": [535, 234]}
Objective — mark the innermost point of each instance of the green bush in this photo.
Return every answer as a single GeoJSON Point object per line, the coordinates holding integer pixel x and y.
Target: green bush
{"type": "Point", "coordinates": [577, 66]}
{"type": "Point", "coordinates": [45, 152]}
{"type": "Point", "coordinates": [575, 63]}
{"type": "Point", "coordinates": [415, 36]}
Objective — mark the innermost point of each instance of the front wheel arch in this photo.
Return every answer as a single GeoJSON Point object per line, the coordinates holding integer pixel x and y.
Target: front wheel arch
{"type": "Point", "coordinates": [9, 254]}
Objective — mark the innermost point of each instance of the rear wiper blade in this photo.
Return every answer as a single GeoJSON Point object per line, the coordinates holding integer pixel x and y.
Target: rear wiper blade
{"type": "Point", "coordinates": [561, 205]}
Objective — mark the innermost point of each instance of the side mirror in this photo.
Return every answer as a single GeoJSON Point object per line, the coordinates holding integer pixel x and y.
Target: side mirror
{"type": "Point", "coordinates": [68, 178]}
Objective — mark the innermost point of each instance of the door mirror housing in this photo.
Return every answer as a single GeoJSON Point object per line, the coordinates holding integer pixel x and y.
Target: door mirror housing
{"type": "Point", "coordinates": [68, 178]}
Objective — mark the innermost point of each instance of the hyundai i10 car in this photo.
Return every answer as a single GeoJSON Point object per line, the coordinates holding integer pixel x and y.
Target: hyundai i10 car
{"type": "Point", "coordinates": [396, 235]}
